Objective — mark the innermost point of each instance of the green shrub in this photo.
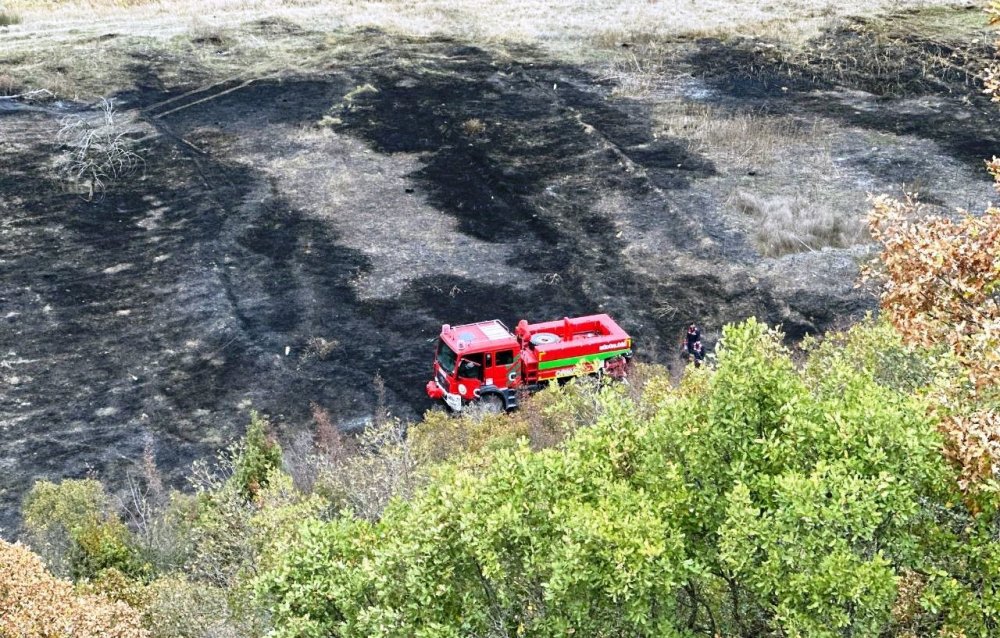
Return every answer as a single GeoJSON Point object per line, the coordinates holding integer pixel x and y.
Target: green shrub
{"type": "Point", "coordinates": [442, 437]}
{"type": "Point", "coordinates": [100, 545]}
{"type": "Point", "coordinates": [73, 526]}
{"type": "Point", "coordinates": [180, 608]}
{"type": "Point", "coordinates": [755, 499]}
{"type": "Point", "coordinates": [255, 459]}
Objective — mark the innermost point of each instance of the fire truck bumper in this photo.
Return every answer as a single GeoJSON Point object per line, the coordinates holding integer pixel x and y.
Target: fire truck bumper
{"type": "Point", "coordinates": [434, 391]}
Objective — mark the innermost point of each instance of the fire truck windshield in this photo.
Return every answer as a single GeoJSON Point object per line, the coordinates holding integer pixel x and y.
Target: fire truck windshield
{"type": "Point", "coordinates": [446, 357]}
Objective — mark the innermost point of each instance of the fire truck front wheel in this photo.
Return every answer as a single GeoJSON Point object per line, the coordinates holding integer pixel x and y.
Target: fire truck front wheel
{"type": "Point", "coordinates": [492, 403]}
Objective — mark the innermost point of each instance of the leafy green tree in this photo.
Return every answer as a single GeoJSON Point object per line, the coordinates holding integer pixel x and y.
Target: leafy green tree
{"type": "Point", "coordinates": [540, 545]}
{"type": "Point", "coordinates": [73, 525]}
{"type": "Point", "coordinates": [256, 458]}
{"type": "Point", "coordinates": [753, 500]}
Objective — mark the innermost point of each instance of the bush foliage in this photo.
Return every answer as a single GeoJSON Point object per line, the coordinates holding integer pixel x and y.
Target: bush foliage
{"type": "Point", "coordinates": [34, 603]}
{"type": "Point", "coordinates": [74, 526]}
{"type": "Point", "coordinates": [756, 498]}
{"type": "Point", "coordinates": [753, 500]}
{"type": "Point", "coordinates": [854, 495]}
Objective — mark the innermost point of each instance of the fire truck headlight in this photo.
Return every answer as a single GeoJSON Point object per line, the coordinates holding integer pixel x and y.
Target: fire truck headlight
{"type": "Point", "coordinates": [461, 388]}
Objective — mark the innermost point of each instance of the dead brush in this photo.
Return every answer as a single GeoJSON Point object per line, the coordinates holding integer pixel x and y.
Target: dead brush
{"type": "Point", "coordinates": [8, 18]}
{"type": "Point", "coordinates": [474, 127]}
{"type": "Point", "coordinates": [319, 348]}
{"type": "Point", "coordinates": [7, 85]}
{"type": "Point", "coordinates": [634, 76]}
{"type": "Point", "coordinates": [637, 60]}
{"type": "Point", "coordinates": [785, 225]}
{"type": "Point", "coordinates": [742, 140]}
{"type": "Point", "coordinates": [98, 151]}
{"type": "Point", "coordinates": [362, 473]}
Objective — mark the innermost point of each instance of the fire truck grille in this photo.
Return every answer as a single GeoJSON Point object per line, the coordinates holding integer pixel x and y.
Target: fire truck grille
{"type": "Point", "coordinates": [442, 380]}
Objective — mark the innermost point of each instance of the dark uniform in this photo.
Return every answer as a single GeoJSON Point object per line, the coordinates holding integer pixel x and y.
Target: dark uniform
{"type": "Point", "coordinates": [693, 336]}
{"type": "Point", "coordinates": [698, 352]}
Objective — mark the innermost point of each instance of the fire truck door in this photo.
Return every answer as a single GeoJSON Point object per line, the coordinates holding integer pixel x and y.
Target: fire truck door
{"type": "Point", "coordinates": [498, 368]}
{"type": "Point", "coordinates": [508, 369]}
{"type": "Point", "coordinates": [470, 375]}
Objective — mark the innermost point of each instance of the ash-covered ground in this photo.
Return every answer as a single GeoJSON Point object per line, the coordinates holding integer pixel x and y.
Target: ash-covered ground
{"type": "Point", "coordinates": [288, 237]}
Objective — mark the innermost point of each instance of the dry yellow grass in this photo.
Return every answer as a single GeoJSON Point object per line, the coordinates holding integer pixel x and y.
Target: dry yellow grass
{"type": "Point", "coordinates": [735, 140]}
{"type": "Point", "coordinates": [792, 224]}
{"type": "Point", "coordinates": [556, 24]}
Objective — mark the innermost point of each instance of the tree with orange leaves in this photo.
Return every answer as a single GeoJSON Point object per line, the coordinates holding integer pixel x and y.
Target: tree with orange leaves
{"type": "Point", "coordinates": [992, 77]}
{"type": "Point", "coordinates": [942, 282]}
{"type": "Point", "coordinates": [941, 286]}
{"type": "Point", "coordinates": [34, 603]}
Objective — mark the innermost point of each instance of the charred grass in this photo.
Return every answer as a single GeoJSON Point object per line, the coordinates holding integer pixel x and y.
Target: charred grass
{"type": "Point", "coordinates": [198, 288]}
{"type": "Point", "coordinates": [918, 52]}
{"type": "Point", "coordinates": [210, 283]}
{"type": "Point", "coordinates": [934, 54]}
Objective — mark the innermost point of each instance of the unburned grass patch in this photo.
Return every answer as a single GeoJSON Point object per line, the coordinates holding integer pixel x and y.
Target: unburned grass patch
{"type": "Point", "coordinates": [636, 76]}
{"type": "Point", "coordinates": [790, 224]}
{"type": "Point", "coordinates": [626, 39]}
{"type": "Point", "coordinates": [9, 18]}
{"type": "Point", "coordinates": [79, 69]}
{"type": "Point", "coordinates": [209, 35]}
{"type": "Point", "coordinates": [738, 140]}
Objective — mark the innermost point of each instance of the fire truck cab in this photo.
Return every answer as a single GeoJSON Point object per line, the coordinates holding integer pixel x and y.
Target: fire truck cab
{"type": "Point", "coordinates": [486, 362]}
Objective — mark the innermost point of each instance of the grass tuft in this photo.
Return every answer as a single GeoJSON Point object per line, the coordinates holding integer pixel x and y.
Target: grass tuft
{"type": "Point", "coordinates": [98, 151]}
{"type": "Point", "coordinates": [474, 127]}
{"type": "Point", "coordinates": [738, 140]}
{"type": "Point", "coordinates": [785, 225]}
{"type": "Point", "coordinates": [8, 18]}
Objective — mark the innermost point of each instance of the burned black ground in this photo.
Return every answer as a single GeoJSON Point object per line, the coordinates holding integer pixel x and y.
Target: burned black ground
{"type": "Point", "coordinates": [868, 73]}
{"type": "Point", "coordinates": [160, 313]}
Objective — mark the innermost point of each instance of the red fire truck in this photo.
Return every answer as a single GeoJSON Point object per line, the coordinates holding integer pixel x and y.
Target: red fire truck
{"type": "Point", "coordinates": [486, 362]}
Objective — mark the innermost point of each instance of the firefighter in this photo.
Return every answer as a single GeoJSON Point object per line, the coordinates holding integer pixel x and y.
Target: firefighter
{"type": "Point", "coordinates": [697, 353]}
{"type": "Point", "coordinates": [691, 337]}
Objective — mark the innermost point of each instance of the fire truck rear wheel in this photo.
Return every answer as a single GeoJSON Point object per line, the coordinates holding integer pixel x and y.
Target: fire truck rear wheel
{"type": "Point", "coordinates": [616, 368]}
